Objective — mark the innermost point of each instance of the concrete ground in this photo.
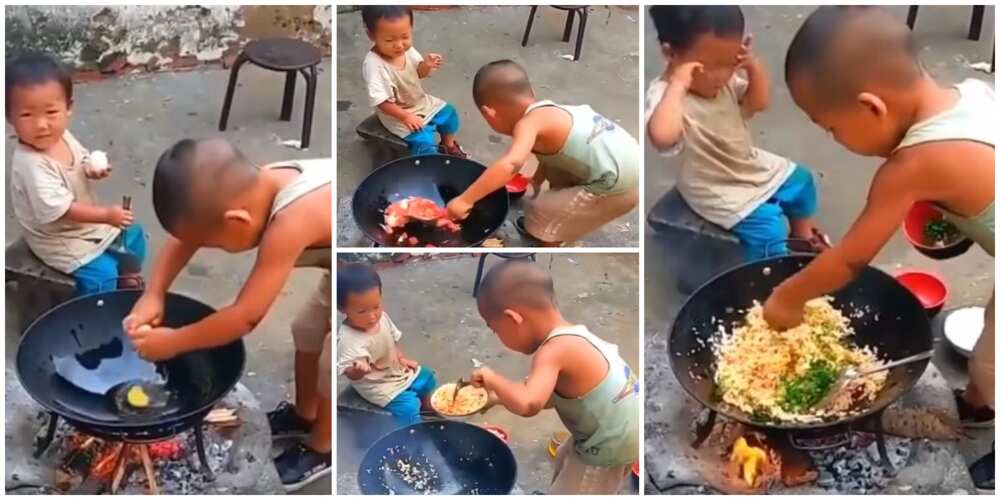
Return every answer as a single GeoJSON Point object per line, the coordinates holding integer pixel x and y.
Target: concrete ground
{"type": "Point", "coordinates": [134, 118]}
{"type": "Point", "coordinates": [431, 302]}
{"type": "Point", "coordinates": [841, 176]}
{"type": "Point", "coordinates": [606, 77]}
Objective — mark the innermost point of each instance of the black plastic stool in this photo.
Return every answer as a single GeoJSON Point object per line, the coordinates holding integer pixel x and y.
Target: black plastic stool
{"type": "Point", "coordinates": [286, 55]}
{"type": "Point", "coordinates": [482, 263]}
{"type": "Point", "coordinates": [975, 27]}
{"type": "Point", "coordinates": [571, 12]}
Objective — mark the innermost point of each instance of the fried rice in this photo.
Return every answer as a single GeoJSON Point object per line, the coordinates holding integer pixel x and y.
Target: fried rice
{"type": "Point", "coordinates": [755, 363]}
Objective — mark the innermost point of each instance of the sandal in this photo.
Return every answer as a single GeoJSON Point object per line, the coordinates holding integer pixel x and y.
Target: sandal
{"type": "Point", "coordinates": [818, 243]}
{"type": "Point", "coordinates": [455, 150]}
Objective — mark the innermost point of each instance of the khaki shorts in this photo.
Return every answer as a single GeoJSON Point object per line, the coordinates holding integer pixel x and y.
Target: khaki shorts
{"type": "Point", "coordinates": [573, 477]}
{"type": "Point", "coordinates": [568, 214]}
{"type": "Point", "coordinates": [311, 331]}
{"type": "Point", "coordinates": [982, 369]}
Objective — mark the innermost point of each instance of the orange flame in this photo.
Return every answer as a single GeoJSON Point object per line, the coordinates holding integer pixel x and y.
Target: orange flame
{"type": "Point", "coordinates": [751, 460]}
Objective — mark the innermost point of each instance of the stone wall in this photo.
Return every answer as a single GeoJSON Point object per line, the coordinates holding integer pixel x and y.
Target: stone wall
{"type": "Point", "coordinates": [110, 39]}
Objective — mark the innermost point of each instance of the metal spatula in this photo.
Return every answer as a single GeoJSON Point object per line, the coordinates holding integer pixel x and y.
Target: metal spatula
{"type": "Point", "coordinates": [852, 373]}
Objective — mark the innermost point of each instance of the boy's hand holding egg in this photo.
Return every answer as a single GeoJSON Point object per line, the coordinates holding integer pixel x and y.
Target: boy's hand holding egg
{"type": "Point", "coordinates": [97, 167]}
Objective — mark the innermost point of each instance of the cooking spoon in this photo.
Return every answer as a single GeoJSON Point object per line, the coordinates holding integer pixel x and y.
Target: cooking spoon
{"type": "Point", "coordinates": [853, 373]}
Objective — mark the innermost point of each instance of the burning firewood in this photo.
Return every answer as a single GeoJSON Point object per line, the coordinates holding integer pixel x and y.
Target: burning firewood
{"type": "Point", "coordinates": [922, 423]}
{"type": "Point", "coordinates": [223, 417]}
{"type": "Point", "coordinates": [147, 465]}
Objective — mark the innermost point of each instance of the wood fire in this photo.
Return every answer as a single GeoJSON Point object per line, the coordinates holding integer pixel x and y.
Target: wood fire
{"type": "Point", "coordinates": [750, 459]}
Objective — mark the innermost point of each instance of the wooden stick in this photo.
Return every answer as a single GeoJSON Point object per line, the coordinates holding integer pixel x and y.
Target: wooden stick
{"type": "Point", "coordinates": [147, 464]}
{"type": "Point", "coordinates": [120, 469]}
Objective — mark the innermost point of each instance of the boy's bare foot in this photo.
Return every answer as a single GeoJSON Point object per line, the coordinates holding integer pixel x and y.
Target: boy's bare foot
{"type": "Point", "coordinates": [815, 242]}
{"type": "Point", "coordinates": [454, 149]}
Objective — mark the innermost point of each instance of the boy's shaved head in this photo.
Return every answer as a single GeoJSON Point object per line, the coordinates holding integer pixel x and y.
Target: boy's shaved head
{"type": "Point", "coordinates": [195, 180]}
{"type": "Point", "coordinates": [500, 80]}
{"type": "Point", "coordinates": [515, 283]}
{"type": "Point", "coordinates": [841, 51]}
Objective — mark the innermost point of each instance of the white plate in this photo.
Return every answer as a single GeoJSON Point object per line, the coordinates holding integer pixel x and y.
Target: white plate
{"type": "Point", "coordinates": [963, 327]}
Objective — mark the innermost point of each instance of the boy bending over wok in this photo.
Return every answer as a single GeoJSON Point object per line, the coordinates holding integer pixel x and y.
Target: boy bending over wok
{"type": "Point", "coordinates": [208, 195]}
{"type": "Point", "coordinates": [591, 387]}
{"type": "Point", "coordinates": [938, 145]}
{"type": "Point", "coordinates": [591, 163]}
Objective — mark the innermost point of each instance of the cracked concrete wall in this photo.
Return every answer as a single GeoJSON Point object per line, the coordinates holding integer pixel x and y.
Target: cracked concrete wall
{"type": "Point", "coordinates": [110, 38]}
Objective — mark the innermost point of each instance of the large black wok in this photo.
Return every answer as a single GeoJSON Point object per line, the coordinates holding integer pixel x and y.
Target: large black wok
{"type": "Point", "coordinates": [465, 459]}
{"type": "Point", "coordinates": [436, 177]}
{"type": "Point", "coordinates": [893, 321]}
{"type": "Point", "coordinates": [84, 337]}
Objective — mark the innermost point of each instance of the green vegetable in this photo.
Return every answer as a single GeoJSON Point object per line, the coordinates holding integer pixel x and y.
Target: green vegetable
{"type": "Point", "coordinates": [804, 391]}
{"type": "Point", "coordinates": [941, 231]}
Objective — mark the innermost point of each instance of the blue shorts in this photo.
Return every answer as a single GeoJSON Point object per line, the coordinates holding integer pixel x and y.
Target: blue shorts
{"type": "Point", "coordinates": [423, 141]}
{"type": "Point", "coordinates": [762, 233]}
{"type": "Point", "coordinates": [99, 274]}
{"type": "Point", "coordinates": [405, 408]}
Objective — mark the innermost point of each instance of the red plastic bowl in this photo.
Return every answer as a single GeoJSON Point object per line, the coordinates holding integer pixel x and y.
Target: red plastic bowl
{"type": "Point", "coordinates": [499, 432]}
{"type": "Point", "coordinates": [916, 221]}
{"type": "Point", "coordinates": [929, 289]}
{"type": "Point", "coordinates": [517, 186]}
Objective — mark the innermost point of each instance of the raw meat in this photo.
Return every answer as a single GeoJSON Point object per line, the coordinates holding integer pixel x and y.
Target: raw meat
{"type": "Point", "coordinates": [414, 208]}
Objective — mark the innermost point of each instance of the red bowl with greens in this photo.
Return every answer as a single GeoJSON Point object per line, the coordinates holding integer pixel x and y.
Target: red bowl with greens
{"type": "Point", "coordinates": [931, 234]}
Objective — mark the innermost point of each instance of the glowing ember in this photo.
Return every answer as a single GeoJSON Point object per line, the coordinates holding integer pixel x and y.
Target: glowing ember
{"type": "Point", "coordinates": [750, 459]}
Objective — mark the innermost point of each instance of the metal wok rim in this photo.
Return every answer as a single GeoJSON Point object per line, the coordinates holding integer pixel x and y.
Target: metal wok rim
{"type": "Point", "coordinates": [72, 417]}
{"type": "Point", "coordinates": [780, 425]}
{"type": "Point", "coordinates": [391, 163]}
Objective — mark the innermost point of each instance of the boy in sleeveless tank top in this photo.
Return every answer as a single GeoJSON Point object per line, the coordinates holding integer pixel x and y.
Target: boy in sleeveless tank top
{"type": "Point", "coordinates": [206, 194]}
{"type": "Point", "coordinates": [590, 163]}
{"type": "Point", "coordinates": [938, 143]}
{"type": "Point", "coordinates": [582, 377]}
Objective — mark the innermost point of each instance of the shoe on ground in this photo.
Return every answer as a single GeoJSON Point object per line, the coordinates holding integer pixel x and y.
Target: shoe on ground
{"type": "Point", "coordinates": [300, 466]}
{"type": "Point", "coordinates": [983, 472]}
{"type": "Point", "coordinates": [286, 423]}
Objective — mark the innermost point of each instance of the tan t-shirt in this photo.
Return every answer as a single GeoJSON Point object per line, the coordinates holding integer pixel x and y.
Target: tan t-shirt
{"type": "Point", "coordinates": [42, 190]}
{"type": "Point", "coordinates": [723, 177]}
{"type": "Point", "coordinates": [387, 83]}
{"type": "Point", "coordinates": [388, 377]}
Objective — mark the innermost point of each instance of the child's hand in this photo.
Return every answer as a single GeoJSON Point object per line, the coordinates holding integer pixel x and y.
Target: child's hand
{"type": "Point", "coordinates": [96, 174]}
{"type": "Point", "coordinates": [481, 377]}
{"type": "Point", "coordinates": [147, 311]}
{"type": "Point", "coordinates": [685, 73]}
{"type": "Point", "coordinates": [782, 313]}
{"type": "Point", "coordinates": [119, 217]}
{"type": "Point", "coordinates": [413, 122]}
{"type": "Point", "coordinates": [359, 368]}
{"type": "Point", "coordinates": [407, 362]}
{"type": "Point", "coordinates": [458, 208]}
{"type": "Point", "coordinates": [155, 344]}
{"type": "Point", "coordinates": [434, 61]}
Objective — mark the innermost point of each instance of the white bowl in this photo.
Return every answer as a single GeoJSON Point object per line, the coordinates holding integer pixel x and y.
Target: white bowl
{"type": "Point", "coordinates": [962, 328]}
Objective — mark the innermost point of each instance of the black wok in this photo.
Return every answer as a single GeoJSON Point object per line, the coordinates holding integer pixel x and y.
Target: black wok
{"type": "Point", "coordinates": [466, 460]}
{"type": "Point", "coordinates": [84, 336]}
{"type": "Point", "coordinates": [893, 321]}
{"type": "Point", "coordinates": [436, 177]}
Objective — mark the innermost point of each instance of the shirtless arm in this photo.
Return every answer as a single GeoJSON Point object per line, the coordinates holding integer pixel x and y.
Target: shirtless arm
{"type": "Point", "coordinates": [893, 191]}
{"type": "Point", "coordinates": [500, 172]}
{"type": "Point", "coordinates": [531, 396]}
{"type": "Point", "coordinates": [282, 244]}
